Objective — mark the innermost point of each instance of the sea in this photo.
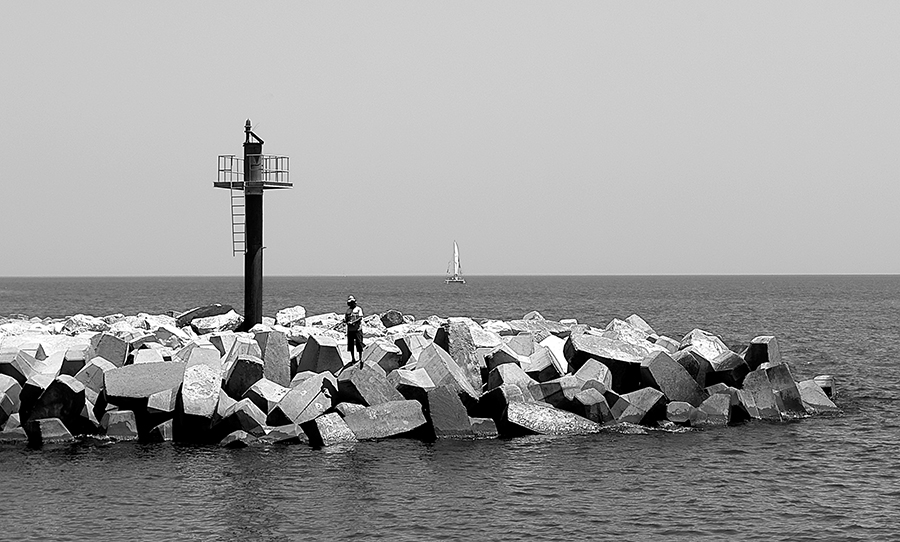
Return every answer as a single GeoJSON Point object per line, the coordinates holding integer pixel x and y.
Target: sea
{"type": "Point", "coordinates": [819, 478]}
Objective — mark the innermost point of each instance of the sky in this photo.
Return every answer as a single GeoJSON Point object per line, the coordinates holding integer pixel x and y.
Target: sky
{"type": "Point", "coordinates": [544, 137]}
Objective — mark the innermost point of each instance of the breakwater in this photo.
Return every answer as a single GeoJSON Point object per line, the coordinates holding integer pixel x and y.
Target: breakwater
{"type": "Point", "coordinates": [192, 378]}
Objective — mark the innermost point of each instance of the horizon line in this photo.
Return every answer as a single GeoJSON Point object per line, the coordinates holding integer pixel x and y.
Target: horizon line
{"type": "Point", "coordinates": [853, 274]}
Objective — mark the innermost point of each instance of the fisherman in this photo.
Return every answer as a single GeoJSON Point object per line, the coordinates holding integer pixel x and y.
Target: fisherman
{"type": "Point", "coordinates": [353, 318]}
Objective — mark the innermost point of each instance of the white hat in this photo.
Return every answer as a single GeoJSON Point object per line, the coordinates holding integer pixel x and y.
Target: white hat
{"type": "Point", "coordinates": [351, 298]}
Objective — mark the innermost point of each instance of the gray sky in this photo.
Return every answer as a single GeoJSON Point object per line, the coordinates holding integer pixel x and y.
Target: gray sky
{"type": "Point", "coordinates": [545, 137]}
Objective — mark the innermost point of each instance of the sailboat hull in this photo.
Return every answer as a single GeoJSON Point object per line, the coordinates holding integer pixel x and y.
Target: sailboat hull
{"type": "Point", "coordinates": [455, 280]}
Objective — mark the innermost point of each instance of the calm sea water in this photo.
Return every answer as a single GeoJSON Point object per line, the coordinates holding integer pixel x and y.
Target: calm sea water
{"type": "Point", "coordinates": [826, 478]}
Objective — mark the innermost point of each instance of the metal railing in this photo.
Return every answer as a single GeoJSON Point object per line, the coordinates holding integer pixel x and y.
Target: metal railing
{"type": "Point", "coordinates": [273, 169]}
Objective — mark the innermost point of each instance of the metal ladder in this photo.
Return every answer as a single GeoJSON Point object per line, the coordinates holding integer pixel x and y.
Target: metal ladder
{"type": "Point", "coordinates": [238, 221]}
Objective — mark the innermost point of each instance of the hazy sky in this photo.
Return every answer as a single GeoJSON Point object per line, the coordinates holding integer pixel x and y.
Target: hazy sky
{"type": "Point", "coordinates": [545, 137]}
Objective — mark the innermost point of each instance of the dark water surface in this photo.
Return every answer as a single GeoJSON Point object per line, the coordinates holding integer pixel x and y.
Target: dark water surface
{"type": "Point", "coordinates": [826, 478]}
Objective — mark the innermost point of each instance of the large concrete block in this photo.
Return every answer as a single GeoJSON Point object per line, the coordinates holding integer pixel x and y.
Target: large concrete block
{"type": "Point", "coordinates": [522, 344]}
{"type": "Point", "coordinates": [63, 399]}
{"type": "Point", "coordinates": [291, 316]}
{"type": "Point", "coordinates": [679, 412]}
{"type": "Point", "coordinates": [162, 404]}
{"type": "Point", "coordinates": [322, 354]}
{"type": "Point", "coordinates": [814, 398]}
{"type": "Point", "coordinates": [541, 365]}
{"type": "Point", "coordinates": [622, 359]}
{"type": "Point", "coordinates": [411, 384]}
{"type": "Point", "coordinates": [665, 374]}
{"type": "Point", "coordinates": [511, 374]}
{"type": "Point", "coordinates": [328, 430]}
{"type": "Point", "coordinates": [276, 355]}
{"type": "Point", "coordinates": [762, 349]}
{"type": "Point", "coordinates": [717, 409]}
{"type": "Point", "coordinates": [52, 364]}
{"type": "Point", "coordinates": [120, 424]}
{"type": "Point", "coordinates": [200, 388]}
{"type": "Point", "coordinates": [32, 390]}
{"type": "Point", "coordinates": [557, 345]}
{"type": "Point", "coordinates": [559, 392]}
{"type": "Point", "coordinates": [47, 431]}
{"type": "Point", "coordinates": [444, 371]}
{"type": "Point", "coordinates": [446, 414]}
{"type": "Point", "coordinates": [265, 394]}
{"type": "Point", "coordinates": [787, 395]}
{"type": "Point", "coordinates": [284, 434]}
{"type": "Point", "coordinates": [242, 346]}
{"type": "Point", "coordinates": [383, 353]}
{"type": "Point", "coordinates": [366, 385]}
{"type": "Point", "coordinates": [7, 409]}
{"type": "Point", "coordinates": [141, 380]}
{"type": "Point", "coordinates": [188, 316]}
{"type": "Point", "coordinates": [306, 401]}
{"type": "Point", "coordinates": [501, 355]}
{"type": "Point", "coordinates": [694, 363]}
{"type": "Point", "coordinates": [395, 418]}
{"type": "Point", "coordinates": [245, 371]}
{"type": "Point", "coordinates": [19, 365]}
{"type": "Point", "coordinates": [93, 374]}
{"type": "Point", "coordinates": [728, 368]}
{"type": "Point", "coordinates": [644, 406]}
{"type": "Point", "coordinates": [524, 418]}
{"type": "Point", "coordinates": [244, 415]}
{"type": "Point", "coordinates": [12, 389]}
{"type": "Point", "coordinates": [411, 346]}
{"type": "Point", "coordinates": [704, 343]}
{"type": "Point", "coordinates": [540, 329]}
{"type": "Point", "coordinates": [110, 348]}
{"type": "Point", "coordinates": [147, 355]}
{"type": "Point", "coordinates": [591, 404]}
{"type": "Point", "coordinates": [757, 384]}
{"type": "Point", "coordinates": [493, 403]}
{"type": "Point", "coordinates": [594, 370]}
{"type": "Point", "coordinates": [162, 432]}
{"type": "Point", "coordinates": [391, 318]}
{"type": "Point", "coordinates": [456, 338]}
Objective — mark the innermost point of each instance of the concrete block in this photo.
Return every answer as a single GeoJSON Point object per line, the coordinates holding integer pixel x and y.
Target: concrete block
{"type": "Point", "coordinates": [665, 374]}
{"type": "Point", "coordinates": [322, 354]}
{"type": "Point", "coordinates": [242, 373]}
{"type": "Point", "coordinates": [47, 431]}
{"type": "Point", "coordinates": [814, 398]}
{"type": "Point", "coordinates": [265, 394]}
{"type": "Point", "coordinates": [395, 418]}
{"type": "Point", "coordinates": [306, 401]}
{"type": "Point", "coordinates": [141, 380]}
{"type": "Point", "coordinates": [762, 349]}
{"type": "Point", "coordinates": [446, 414]}
{"type": "Point", "coordinates": [365, 385]}
{"type": "Point", "coordinates": [120, 424]}
{"type": "Point", "coordinates": [328, 430]}
{"type": "Point", "coordinates": [523, 418]}
{"type": "Point", "coordinates": [276, 356]}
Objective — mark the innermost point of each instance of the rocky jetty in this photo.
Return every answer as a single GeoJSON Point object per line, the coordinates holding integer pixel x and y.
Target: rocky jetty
{"type": "Point", "coordinates": [191, 377]}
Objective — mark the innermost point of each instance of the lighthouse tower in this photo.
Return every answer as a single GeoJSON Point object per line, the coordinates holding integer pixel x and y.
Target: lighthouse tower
{"type": "Point", "coordinates": [246, 179]}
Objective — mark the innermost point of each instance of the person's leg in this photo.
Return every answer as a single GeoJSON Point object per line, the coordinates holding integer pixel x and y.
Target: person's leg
{"type": "Point", "coordinates": [350, 346]}
{"type": "Point", "coordinates": [359, 346]}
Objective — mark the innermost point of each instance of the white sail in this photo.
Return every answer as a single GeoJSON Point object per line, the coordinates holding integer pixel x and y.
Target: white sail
{"type": "Point", "coordinates": [456, 275]}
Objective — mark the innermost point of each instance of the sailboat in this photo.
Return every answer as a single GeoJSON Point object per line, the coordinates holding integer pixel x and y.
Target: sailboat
{"type": "Point", "coordinates": [454, 277]}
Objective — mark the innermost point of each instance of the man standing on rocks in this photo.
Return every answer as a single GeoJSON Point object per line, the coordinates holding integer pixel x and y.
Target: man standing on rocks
{"type": "Point", "coordinates": [353, 317]}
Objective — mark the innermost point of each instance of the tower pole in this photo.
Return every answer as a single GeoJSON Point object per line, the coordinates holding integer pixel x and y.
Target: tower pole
{"type": "Point", "coordinates": [253, 258]}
